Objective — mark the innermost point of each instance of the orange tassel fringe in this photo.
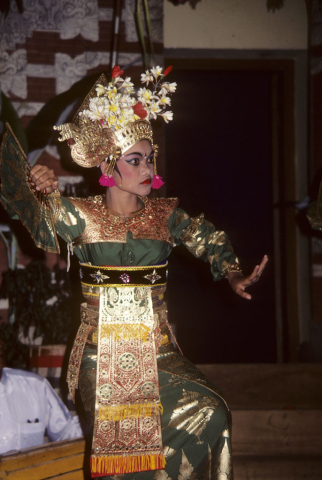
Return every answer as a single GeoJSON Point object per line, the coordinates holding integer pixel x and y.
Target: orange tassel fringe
{"type": "Point", "coordinates": [120, 412]}
{"type": "Point", "coordinates": [117, 465]}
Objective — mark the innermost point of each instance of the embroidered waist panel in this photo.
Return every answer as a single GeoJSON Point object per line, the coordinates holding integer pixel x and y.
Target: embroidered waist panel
{"type": "Point", "coordinates": [127, 427]}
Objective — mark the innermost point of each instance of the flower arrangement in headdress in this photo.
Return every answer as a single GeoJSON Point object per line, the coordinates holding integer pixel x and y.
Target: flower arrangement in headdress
{"type": "Point", "coordinates": [112, 119]}
{"type": "Point", "coordinates": [115, 107]}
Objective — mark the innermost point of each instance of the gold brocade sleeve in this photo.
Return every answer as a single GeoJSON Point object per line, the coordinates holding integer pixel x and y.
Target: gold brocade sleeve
{"type": "Point", "coordinates": [205, 242]}
{"type": "Point", "coordinates": [19, 197]}
{"type": "Point", "coordinates": [69, 220]}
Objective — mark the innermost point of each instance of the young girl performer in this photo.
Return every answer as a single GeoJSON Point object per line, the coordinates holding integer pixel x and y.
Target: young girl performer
{"type": "Point", "coordinates": [154, 415]}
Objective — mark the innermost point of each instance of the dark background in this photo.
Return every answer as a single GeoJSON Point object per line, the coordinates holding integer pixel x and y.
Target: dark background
{"type": "Point", "coordinates": [218, 162]}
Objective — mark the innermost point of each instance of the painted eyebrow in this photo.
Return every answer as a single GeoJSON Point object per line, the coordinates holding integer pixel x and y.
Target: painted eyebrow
{"type": "Point", "coordinates": [137, 153]}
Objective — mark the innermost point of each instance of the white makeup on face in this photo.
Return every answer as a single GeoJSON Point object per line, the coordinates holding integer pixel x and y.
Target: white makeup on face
{"type": "Point", "coordinates": [136, 167]}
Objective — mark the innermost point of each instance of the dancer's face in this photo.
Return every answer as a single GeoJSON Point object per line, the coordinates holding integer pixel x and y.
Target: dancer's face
{"type": "Point", "coordinates": [136, 169]}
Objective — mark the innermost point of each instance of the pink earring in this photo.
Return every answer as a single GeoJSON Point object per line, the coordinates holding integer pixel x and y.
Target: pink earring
{"type": "Point", "coordinates": [107, 181]}
{"type": "Point", "coordinates": [157, 180]}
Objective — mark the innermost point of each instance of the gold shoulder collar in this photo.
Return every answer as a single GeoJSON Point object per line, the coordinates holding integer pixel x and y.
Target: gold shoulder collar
{"type": "Point", "coordinates": [104, 225]}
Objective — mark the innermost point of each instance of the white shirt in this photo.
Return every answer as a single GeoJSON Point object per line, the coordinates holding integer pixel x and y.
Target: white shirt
{"type": "Point", "coordinates": [29, 405]}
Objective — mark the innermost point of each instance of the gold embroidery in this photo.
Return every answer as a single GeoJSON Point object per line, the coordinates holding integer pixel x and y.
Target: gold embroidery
{"type": "Point", "coordinates": [127, 387]}
{"type": "Point", "coordinates": [181, 216]}
{"type": "Point", "coordinates": [161, 475]}
{"type": "Point", "coordinates": [103, 225]}
{"type": "Point", "coordinates": [190, 236]}
{"type": "Point", "coordinates": [207, 469]}
{"type": "Point", "coordinates": [56, 204]}
{"type": "Point", "coordinates": [223, 470]}
{"type": "Point", "coordinates": [186, 469]}
{"type": "Point", "coordinates": [168, 452]}
{"type": "Point", "coordinates": [217, 238]}
{"type": "Point", "coordinates": [193, 412]}
{"type": "Point", "coordinates": [233, 267]}
{"type": "Point", "coordinates": [67, 217]}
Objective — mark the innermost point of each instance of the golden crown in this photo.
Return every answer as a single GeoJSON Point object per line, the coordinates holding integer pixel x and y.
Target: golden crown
{"type": "Point", "coordinates": [111, 119]}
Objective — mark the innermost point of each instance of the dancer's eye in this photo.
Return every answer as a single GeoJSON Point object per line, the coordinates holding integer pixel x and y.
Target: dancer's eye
{"type": "Point", "coordinates": [133, 161]}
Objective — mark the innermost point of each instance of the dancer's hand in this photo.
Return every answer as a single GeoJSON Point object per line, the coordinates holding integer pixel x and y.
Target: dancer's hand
{"type": "Point", "coordinates": [239, 282]}
{"type": "Point", "coordinates": [44, 178]}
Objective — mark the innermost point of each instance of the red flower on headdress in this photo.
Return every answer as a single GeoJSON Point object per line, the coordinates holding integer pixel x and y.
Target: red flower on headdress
{"type": "Point", "coordinates": [117, 71]}
{"type": "Point", "coordinates": [139, 110]}
{"type": "Point", "coordinates": [167, 70]}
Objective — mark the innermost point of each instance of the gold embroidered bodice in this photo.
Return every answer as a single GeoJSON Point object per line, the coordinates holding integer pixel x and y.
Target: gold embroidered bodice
{"type": "Point", "coordinates": [104, 225]}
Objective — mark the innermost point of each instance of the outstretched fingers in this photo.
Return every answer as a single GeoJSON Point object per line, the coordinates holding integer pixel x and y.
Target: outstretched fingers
{"type": "Point", "coordinates": [257, 272]}
{"type": "Point", "coordinates": [241, 283]}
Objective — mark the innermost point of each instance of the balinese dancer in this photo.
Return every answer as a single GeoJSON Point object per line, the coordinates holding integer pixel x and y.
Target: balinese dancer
{"type": "Point", "coordinates": [153, 414]}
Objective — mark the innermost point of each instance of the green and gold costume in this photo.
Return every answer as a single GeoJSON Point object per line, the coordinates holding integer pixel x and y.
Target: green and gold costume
{"type": "Point", "coordinates": [195, 422]}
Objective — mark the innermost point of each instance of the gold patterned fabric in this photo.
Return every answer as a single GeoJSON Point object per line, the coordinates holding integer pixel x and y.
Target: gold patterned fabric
{"type": "Point", "coordinates": [205, 242]}
{"type": "Point", "coordinates": [127, 426]}
{"type": "Point", "coordinates": [103, 225]}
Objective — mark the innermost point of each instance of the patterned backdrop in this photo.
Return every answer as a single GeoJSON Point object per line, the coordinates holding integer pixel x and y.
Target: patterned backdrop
{"type": "Point", "coordinates": [55, 43]}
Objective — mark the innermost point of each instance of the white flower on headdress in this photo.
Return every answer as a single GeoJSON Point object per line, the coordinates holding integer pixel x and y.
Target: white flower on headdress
{"type": "Point", "coordinates": [100, 90]}
{"type": "Point", "coordinates": [96, 113]}
{"type": "Point", "coordinates": [156, 71]}
{"type": "Point", "coordinates": [145, 95]}
{"type": "Point", "coordinates": [116, 105]}
{"type": "Point", "coordinates": [167, 116]}
{"type": "Point", "coordinates": [146, 77]}
{"type": "Point", "coordinates": [112, 92]}
{"type": "Point", "coordinates": [117, 80]}
{"type": "Point", "coordinates": [167, 87]}
{"type": "Point", "coordinates": [126, 101]}
{"type": "Point", "coordinates": [127, 84]}
{"type": "Point", "coordinates": [165, 100]}
{"type": "Point", "coordinates": [153, 110]}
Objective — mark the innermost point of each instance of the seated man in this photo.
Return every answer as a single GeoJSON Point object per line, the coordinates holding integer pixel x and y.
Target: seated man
{"type": "Point", "coordinates": [28, 406]}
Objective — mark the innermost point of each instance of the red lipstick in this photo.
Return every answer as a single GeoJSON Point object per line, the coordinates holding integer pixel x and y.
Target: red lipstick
{"type": "Point", "coordinates": [146, 182]}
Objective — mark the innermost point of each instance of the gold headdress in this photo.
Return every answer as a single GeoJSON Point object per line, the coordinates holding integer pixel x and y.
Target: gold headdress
{"type": "Point", "coordinates": [111, 119]}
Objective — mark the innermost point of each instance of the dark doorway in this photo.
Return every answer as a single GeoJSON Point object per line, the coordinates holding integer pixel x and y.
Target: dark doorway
{"type": "Point", "coordinates": [219, 162]}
